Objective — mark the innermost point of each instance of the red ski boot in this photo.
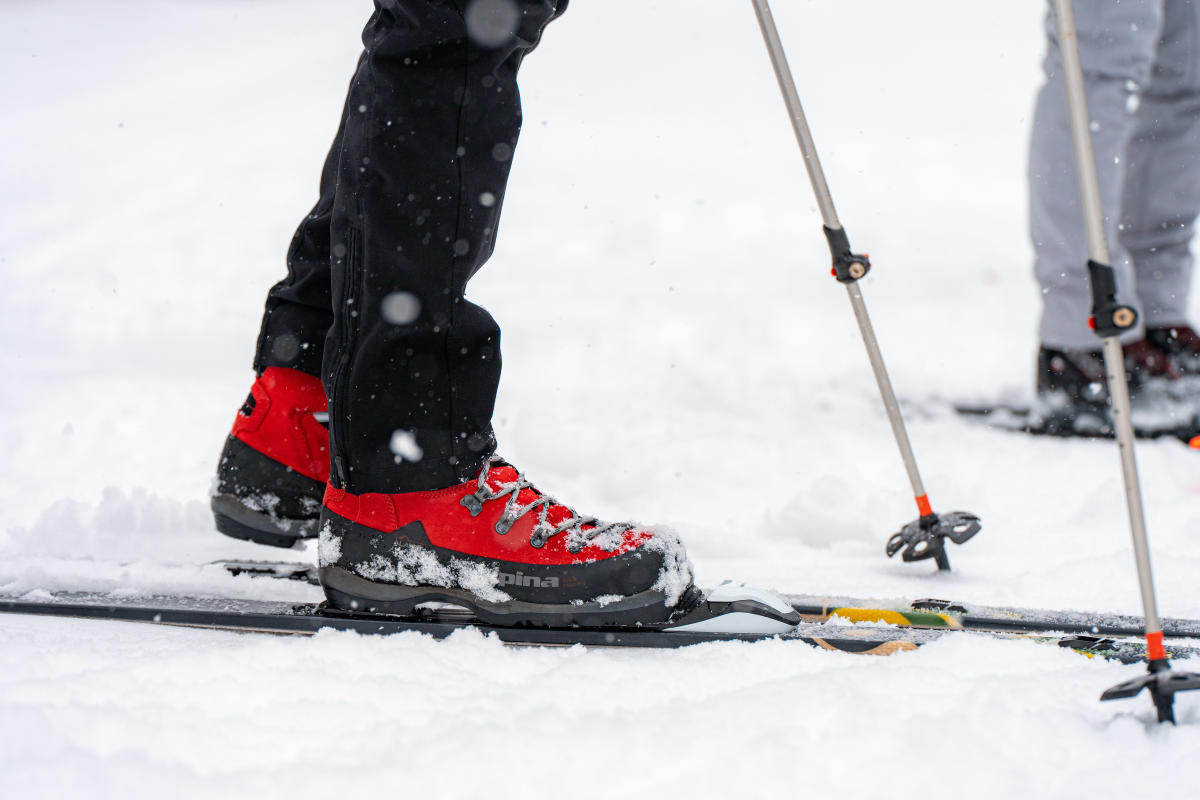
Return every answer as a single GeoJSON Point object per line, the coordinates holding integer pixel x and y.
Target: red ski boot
{"type": "Point", "coordinates": [275, 463]}
{"type": "Point", "coordinates": [502, 549]}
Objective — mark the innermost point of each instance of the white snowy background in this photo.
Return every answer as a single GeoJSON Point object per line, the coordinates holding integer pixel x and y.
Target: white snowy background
{"type": "Point", "coordinates": [675, 352]}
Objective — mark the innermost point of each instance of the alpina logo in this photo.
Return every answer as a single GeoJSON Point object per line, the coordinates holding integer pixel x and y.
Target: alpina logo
{"type": "Point", "coordinates": [521, 579]}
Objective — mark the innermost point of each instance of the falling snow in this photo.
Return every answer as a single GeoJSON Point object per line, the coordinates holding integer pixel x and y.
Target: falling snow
{"type": "Point", "coordinates": [403, 445]}
{"type": "Point", "coordinates": [400, 308]}
{"type": "Point", "coordinates": [492, 23]}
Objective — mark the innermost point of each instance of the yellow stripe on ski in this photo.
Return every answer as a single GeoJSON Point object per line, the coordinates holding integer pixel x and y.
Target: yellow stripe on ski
{"type": "Point", "coordinates": [908, 619]}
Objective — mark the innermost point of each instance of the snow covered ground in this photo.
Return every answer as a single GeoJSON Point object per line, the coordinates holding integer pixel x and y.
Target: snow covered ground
{"type": "Point", "coordinates": [675, 352]}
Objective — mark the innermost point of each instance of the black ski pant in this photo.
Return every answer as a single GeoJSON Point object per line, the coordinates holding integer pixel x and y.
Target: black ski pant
{"type": "Point", "coordinates": [410, 199]}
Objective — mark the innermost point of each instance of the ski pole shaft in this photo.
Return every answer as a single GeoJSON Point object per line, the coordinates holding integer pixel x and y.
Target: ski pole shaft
{"type": "Point", "coordinates": [891, 405]}
{"type": "Point", "coordinates": [1085, 164]}
{"type": "Point", "coordinates": [1114, 359]}
{"type": "Point", "coordinates": [1114, 356]}
{"type": "Point", "coordinates": [791, 98]}
{"type": "Point", "coordinates": [820, 186]}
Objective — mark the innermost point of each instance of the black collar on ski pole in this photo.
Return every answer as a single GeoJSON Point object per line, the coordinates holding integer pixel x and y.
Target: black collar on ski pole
{"type": "Point", "coordinates": [848, 267]}
{"type": "Point", "coordinates": [1109, 318]}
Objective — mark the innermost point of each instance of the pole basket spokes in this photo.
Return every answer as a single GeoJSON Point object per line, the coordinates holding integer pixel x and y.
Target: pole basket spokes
{"type": "Point", "coordinates": [1162, 682]}
{"type": "Point", "coordinates": [926, 537]}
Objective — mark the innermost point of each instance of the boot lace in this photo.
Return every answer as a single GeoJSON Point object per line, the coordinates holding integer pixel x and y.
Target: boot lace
{"type": "Point", "coordinates": [543, 530]}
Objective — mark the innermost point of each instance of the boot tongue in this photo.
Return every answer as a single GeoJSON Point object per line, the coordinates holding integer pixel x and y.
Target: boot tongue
{"type": "Point", "coordinates": [501, 475]}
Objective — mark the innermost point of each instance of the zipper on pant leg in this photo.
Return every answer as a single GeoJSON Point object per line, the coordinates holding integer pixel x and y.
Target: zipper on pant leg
{"type": "Point", "coordinates": [340, 393]}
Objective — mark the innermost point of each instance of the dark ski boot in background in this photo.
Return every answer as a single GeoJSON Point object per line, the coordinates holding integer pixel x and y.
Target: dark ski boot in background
{"type": "Point", "coordinates": [275, 464]}
{"type": "Point", "coordinates": [1072, 392]}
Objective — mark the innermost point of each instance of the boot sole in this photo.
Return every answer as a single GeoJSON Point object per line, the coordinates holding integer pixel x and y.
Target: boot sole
{"type": "Point", "coordinates": [235, 519]}
{"type": "Point", "coordinates": [354, 594]}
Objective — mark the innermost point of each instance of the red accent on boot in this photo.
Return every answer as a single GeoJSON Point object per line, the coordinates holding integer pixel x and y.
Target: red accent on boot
{"type": "Point", "coordinates": [1188, 339]}
{"type": "Point", "coordinates": [282, 425]}
{"type": "Point", "coordinates": [1149, 359]}
{"type": "Point", "coordinates": [449, 524]}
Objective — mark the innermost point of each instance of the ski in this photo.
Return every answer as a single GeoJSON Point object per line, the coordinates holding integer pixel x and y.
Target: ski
{"type": "Point", "coordinates": [947, 614]}
{"type": "Point", "coordinates": [739, 617]}
{"type": "Point", "coordinates": [251, 616]}
{"type": "Point", "coordinates": [1027, 418]}
{"type": "Point", "coordinates": [287, 570]}
{"type": "Point", "coordinates": [923, 613]}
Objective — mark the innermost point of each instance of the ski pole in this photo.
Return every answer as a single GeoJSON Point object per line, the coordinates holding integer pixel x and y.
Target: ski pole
{"type": "Point", "coordinates": [924, 537]}
{"type": "Point", "coordinates": [1109, 320]}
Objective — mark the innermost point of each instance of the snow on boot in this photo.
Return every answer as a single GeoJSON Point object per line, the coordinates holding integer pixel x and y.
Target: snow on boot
{"type": "Point", "coordinates": [275, 463]}
{"type": "Point", "coordinates": [499, 547]}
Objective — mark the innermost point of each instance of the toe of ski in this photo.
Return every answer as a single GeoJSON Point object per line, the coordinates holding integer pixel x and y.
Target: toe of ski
{"type": "Point", "coordinates": [737, 608]}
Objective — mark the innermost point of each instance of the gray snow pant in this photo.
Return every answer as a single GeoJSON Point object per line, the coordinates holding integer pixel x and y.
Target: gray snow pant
{"type": "Point", "coordinates": [1141, 65]}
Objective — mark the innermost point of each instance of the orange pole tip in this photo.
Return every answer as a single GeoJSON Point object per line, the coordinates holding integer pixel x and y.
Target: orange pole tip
{"type": "Point", "coordinates": [1154, 646]}
{"type": "Point", "coordinates": [1195, 443]}
{"type": "Point", "coordinates": [923, 505]}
